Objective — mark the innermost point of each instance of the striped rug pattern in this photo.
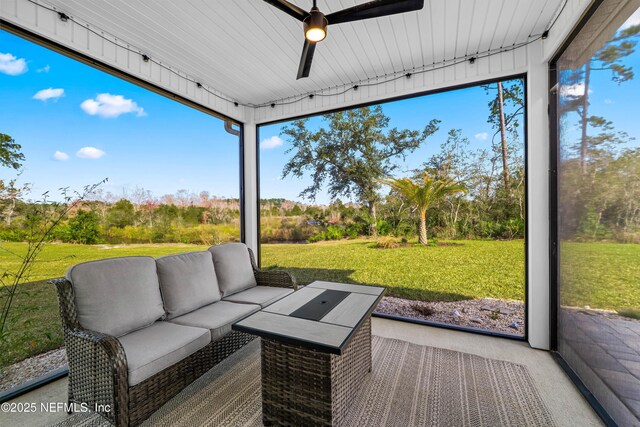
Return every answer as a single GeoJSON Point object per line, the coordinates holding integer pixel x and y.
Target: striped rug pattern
{"type": "Point", "coordinates": [410, 385]}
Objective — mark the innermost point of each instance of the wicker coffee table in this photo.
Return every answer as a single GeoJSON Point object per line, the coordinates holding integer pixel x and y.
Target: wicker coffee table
{"type": "Point", "coordinates": [316, 352]}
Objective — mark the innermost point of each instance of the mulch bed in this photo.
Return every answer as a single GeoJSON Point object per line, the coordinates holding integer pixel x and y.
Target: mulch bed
{"type": "Point", "coordinates": [482, 313]}
{"type": "Point", "coordinates": [31, 368]}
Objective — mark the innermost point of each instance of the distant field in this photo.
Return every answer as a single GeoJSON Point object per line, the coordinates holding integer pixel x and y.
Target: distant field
{"type": "Point", "coordinates": [56, 258]}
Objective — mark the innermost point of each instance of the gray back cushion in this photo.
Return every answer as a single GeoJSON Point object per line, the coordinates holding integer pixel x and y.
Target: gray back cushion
{"type": "Point", "coordinates": [188, 281]}
{"type": "Point", "coordinates": [118, 295]}
{"type": "Point", "coordinates": [233, 267]}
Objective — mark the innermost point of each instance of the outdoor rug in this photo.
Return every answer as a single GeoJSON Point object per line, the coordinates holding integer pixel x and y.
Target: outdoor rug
{"type": "Point", "coordinates": [410, 385]}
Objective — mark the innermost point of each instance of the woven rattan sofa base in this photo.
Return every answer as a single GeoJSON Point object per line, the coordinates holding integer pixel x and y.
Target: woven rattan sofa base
{"type": "Point", "coordinates": [91, 381]}
{"type": "Point", "coordinates": [148, 396]}
{"type": "Point", "coordinates": [304, 387]}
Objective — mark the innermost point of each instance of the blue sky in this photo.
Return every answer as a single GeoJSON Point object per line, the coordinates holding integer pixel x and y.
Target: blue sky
{"type": "Point", "coordinates": [133, 136]}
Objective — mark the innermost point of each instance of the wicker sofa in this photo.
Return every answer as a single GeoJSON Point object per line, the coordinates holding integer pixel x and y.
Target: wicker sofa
{"type": "Point", "coordinates": [138, 330]}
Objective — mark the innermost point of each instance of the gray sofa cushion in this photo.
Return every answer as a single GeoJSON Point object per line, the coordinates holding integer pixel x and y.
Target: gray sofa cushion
{"type": "Point", "coordinates": [156, 347]}
{"type": "Point", "coordinates": [118, 295]}
{"type": "Point", "coordinates": [217, 317]}
{"type": "Point", "coordinates": [261, 295]}
{"type": "Point", "coordinates": [188, 281]}
{"type": "Point", "coordinates": [233, 267]}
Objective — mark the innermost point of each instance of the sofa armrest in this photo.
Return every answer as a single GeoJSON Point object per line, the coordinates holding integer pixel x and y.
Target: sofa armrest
{"type": "Point", "coordinates": [98, 375]}
{"type": "Point", "coordinates": [277, 278]}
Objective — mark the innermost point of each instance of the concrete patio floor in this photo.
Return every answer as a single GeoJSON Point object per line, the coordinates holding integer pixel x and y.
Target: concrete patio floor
{"type": "Point", "coordinates": [562, 398]}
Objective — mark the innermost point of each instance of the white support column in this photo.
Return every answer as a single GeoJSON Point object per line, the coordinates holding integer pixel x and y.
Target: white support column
{"type": "Point", "coordinates": [538, 200]}
{"type": "Point", "coordinates": [250, 185]}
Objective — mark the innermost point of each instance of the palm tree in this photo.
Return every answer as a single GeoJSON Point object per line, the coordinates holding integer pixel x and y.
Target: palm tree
{"type": "Point", "coordinates": [424, 194]}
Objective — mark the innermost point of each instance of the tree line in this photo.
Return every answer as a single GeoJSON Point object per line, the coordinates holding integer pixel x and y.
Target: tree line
{"type": "Point", "coordinates": [137, 217]}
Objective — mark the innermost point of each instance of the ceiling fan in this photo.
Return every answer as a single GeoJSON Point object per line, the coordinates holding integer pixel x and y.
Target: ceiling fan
{"type": "Point", "coordinates": [315, 22]}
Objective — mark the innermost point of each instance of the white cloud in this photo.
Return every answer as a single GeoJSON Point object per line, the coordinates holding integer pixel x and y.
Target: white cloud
{"type": "Point", "coordinates": [270, 143]}
{"type": "Point", "coordinates": [608, 101]}
{"type": "Point", "coordinates": [90, 153]}
{"type": "Point", "coordinates": [45, 94]}
{"type": "Point", "coordinates": [11, 65]}
{"type": "Point", "coordinates": [44, 69]}
{"type": "Point", "coordinates": [111, 106]}
{"type": "Point", "coordinates": [60, 156]}
{"type": "Point", "coordinates": [632, 21]}
{"type": "Point", "coordinates": [482, 136]}
{"type": "Point", "coordinates": [573, 90]}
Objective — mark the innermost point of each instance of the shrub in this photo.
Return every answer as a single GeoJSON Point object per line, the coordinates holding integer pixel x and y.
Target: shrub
{"type": "Point", "coordinates": [186, 235]}
{"type": "Point", "coordinates": [129, 234]}
{"type": "Point", "coordinates": [334, 233]}
{"type": "Point", "coordinates": [387, 243]}
{"type": "Point", "coordinates": [591, 228]}
{"type": "Point", "coordinates": [206, 234]}
{"type": "Point", "coordinates": [620, 236]}
{"type": "Point", "coordinates": [404, 229]}
{"type": "Point", "coordinates": [286, 229]}
{"type": "Point", "coordinates": [487, 229]}
{"type": "Point", "coordinates": [83, 228]}
{"type": "Point", "coordinates": [513, 229]}
{"type": "Point", "coordinates": [316, 237]}
{"type": "Point", "coordinates": [351, 233]}
{"type": "Point", "coordinates": [121, 214]}
{"type": "Point", "coordinates": [356, 229]}
{"type": "Point", "coordinates": [13, 235]}
{"type": "Point", "coordinates": [384, 228]}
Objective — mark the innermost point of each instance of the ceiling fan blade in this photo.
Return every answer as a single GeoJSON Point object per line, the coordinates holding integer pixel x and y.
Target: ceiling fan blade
{"type": "Point", "coordinates": [374, 9]}
{"type": "Point", "coordinates": [289, 9]}
{"type": "Point", "coordinates": [305, 60]}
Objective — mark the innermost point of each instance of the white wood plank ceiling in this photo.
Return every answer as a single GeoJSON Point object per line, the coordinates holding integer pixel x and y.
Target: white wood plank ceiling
{"type": "Point", "coordinates": [250, 50]}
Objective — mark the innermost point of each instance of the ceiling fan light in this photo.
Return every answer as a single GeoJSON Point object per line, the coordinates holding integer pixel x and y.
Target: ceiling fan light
{"type": "Point", "coordinates": [315, 26]}
{"type": "Point", "coordinates": [315, 34]}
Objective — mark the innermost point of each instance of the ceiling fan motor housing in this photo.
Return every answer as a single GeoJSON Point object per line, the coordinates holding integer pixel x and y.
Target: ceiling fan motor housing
{"type": "Point", "coordinates": [315, 25]}
{"type": "Point", "coordinates": [315, 22]}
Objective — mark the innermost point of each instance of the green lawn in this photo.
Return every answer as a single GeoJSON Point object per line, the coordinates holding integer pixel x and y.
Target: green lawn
{"type": "Point", "coordinates": [464, 270]}
{"type": "Point", "coordinates": [601, 275]}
